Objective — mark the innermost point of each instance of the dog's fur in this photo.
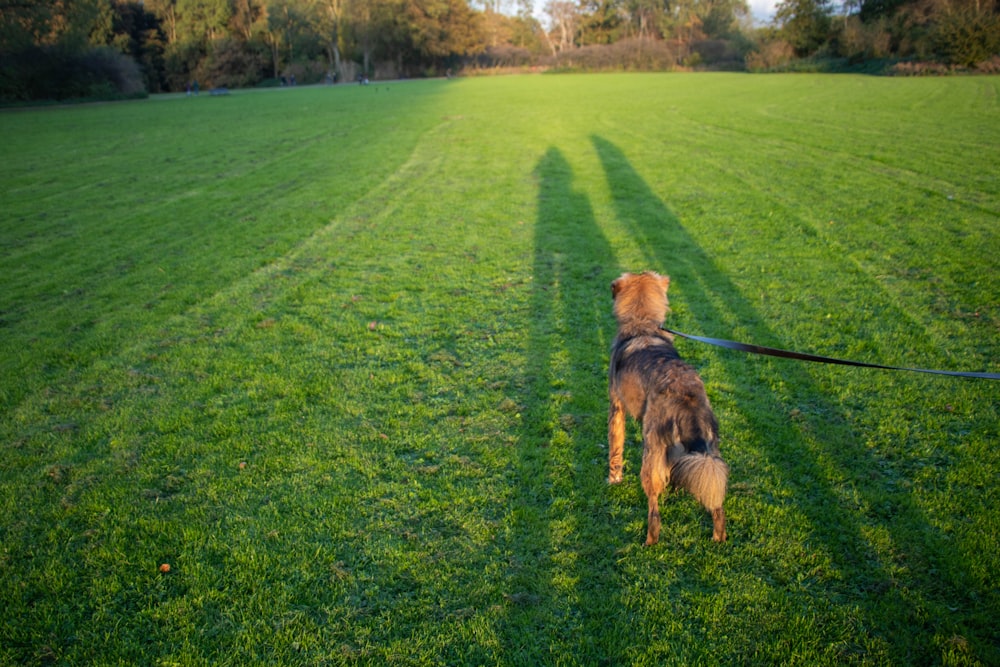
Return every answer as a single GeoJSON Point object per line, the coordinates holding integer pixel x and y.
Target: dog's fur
{"type": "Point", "coordinates": [648, 380]}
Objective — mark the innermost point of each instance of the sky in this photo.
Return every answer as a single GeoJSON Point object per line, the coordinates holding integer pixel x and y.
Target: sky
{"type": "Point", "coordinates": [762, 10]}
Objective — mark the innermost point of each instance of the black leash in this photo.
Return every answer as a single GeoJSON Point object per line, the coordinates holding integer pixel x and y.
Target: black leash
{"type": "Point", "coordinates": [773, 352]}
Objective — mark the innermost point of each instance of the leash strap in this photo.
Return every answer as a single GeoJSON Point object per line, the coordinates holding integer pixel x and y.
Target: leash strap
{"type": "Point", "coordinates": [785, 354]}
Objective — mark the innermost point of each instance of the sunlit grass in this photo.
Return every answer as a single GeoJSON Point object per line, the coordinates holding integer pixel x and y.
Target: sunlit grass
{"type": "Point", "coordinates": [338, 356]}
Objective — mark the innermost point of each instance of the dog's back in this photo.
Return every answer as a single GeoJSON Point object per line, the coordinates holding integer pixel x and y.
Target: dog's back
{"type": "Point", "coordinates": [648, 374]}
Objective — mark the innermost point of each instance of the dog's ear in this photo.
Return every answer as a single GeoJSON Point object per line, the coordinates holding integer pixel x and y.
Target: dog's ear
{"type": "Point", "coordinates": [617, 284]}
{"type": "Point", "coordinates": [665, 281]}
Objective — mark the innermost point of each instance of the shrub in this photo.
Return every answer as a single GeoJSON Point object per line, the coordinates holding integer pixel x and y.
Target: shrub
{"type": "Point", "coordinates": [502, 56]}
{"type": "Point", "coordinates": [110, 70]}
{"type": "Point", "coordinates": [349, 71]}
{"type": "Point", "coordinates": [991, 66]}
{"type": "Point", "coordinates": [232, 64]}
{"type": "Point", "coordinates": [640, 55]}
{"type": "Point", "coordinates": [968, 35]}
{"type": "Point", "coordinates": [864, 41]}
{"type": "Point", "coordinates": [388, 70]}
{"type": "Point", "coordinates": [919, 69]}
{"type": "Point", "coordinates": [55, 73]}
{"type": "Point", "coordinates": [181, 61]}
{"type": "Point", "coordinates": [718, 53]}
{"type": "Point", "coordinates": [770, 55]}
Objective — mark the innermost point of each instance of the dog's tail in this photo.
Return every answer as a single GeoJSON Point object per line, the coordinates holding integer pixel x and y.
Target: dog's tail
{"type": "Point", "coordinates": [703, 475]}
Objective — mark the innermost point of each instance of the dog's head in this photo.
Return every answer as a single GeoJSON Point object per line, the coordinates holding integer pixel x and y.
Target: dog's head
{"type": "Point", "coordinates": [641, 297]}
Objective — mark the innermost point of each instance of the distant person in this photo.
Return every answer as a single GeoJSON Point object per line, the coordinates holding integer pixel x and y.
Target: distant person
{"type": "Point", "coordinates": [194, 86]}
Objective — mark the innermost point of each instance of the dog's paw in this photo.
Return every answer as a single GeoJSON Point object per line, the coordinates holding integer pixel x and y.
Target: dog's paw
{"type": "Point", "coordinates": [653, 529]}
{"type": "Point", "coordinates": [615, 478]}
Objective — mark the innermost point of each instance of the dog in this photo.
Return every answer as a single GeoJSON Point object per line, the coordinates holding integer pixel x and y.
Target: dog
{"type": "Point", "coordinates": [648, 380]}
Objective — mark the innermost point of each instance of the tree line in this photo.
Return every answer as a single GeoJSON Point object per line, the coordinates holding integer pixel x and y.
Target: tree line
{"type": "Point", "coordinates": [959, 33]}
{"type": "Point", "coordinates": [87, 48]}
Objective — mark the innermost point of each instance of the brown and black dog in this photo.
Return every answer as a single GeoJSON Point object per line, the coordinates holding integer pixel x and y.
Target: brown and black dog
{"type": "Point", "coordinates": [648, 380]}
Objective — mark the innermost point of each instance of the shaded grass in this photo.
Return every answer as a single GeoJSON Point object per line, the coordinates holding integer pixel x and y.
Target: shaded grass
{"type": "Point", "coordinates": [366, 420]}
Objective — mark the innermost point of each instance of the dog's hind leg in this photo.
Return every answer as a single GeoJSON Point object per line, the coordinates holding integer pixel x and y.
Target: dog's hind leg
{"type": "Point", "coordinates": [655, 474]}
{"type": "Point", "coordinates": [719, 525]}
{"type": "Point", "coordinates": [616, 440]}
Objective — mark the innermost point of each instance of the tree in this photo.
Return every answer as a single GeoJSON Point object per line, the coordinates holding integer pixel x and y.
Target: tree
{"type": "Point", "coordinates": [491, 6]}
{"type": "Point", "coordinates": [282, 20]}
{"type": "Point", "coordinates": [202, 20]}
{"type": "Point", "coordinates": [870, 10]}
{"type": "Point", "coordinates": [137, 32]}
{"type": "Point", "coordinates": [441, 28]}
{"type": "Point", "coordinates": [166, 11]}
{"type": "Point", "coordinates": [682, 22]}
{"type": "Point", "coordinates": [600, 23]}
{"type": "Point", "coordinates": [565, 18]}
{"type": "Point", "coordinates": [375, 24]}
{"type": "Point", "coordinates": [967, 32]}
{"type": "Point", "coordinates": [645, 17]}
{"type": "Point", "coordinates": [70, 24]}
{"type": "Point", "coordinates": [805, 24]}
{"type": "Point", "coordinates": [247, 19]}
{"type": "Point", "coordinates": [330, 21]}
{"type": "Point", "coordinates": [720, 18]}
{"type": "Point", "coordinates": [526, 32]}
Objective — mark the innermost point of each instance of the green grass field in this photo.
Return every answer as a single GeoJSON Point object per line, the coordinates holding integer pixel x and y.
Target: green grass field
{"type": "Point", "coordinates": [338, 357]}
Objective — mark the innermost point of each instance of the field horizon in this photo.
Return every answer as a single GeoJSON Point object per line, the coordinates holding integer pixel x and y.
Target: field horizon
{"type": "Point", "coordinates": [337, 356]}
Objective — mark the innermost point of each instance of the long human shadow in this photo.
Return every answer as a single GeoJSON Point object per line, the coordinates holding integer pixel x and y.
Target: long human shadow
{"type": "Point", "coordinates": [560, 574]}
{"type": "Point", "coordinates": [788, 450]}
